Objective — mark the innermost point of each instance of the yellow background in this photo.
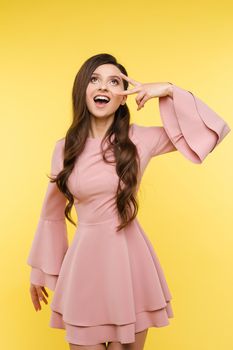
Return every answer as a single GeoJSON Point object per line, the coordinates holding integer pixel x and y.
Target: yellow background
{"type": "Point", "coordinates": [185, 208]}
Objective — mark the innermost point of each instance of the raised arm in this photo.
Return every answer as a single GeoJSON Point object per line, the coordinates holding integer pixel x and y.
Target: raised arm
{"type": "Point", "coordinates": [191, 125]}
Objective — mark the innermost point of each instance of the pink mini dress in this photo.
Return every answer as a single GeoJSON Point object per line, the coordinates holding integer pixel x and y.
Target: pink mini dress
{"type": "Point", "coordinates": [109, 285]}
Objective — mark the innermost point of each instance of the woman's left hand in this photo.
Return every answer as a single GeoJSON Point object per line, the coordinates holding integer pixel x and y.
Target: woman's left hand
{"type": "Point", "coordinates": [145, 91]}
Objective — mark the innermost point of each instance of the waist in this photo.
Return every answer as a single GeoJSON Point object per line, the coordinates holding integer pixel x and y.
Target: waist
{"type": "Point", "coordinates": [101, 222]}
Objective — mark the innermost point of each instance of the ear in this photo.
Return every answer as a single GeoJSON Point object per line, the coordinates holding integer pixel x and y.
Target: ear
{"type": "Point", "coordinates": [124, 99]}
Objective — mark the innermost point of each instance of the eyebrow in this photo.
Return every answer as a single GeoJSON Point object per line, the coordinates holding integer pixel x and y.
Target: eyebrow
{"type": "Point", "coordinates": [110, 76]}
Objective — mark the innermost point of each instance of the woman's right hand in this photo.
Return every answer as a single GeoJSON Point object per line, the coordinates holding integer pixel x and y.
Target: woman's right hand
{"type": "Point", "coordinates": [37, 295]}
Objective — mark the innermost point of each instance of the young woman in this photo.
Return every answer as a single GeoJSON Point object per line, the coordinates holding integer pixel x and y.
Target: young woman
{"type": "Point", "coordinates": [109, 286]}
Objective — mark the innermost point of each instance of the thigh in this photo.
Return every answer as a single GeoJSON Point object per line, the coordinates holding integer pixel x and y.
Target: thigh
{"type": "Point", "coordinates": [113, 345]}
{"type": "Point", "coordinates": [140, 339]}
{"type": "Point", "coordinates": [101, 346]}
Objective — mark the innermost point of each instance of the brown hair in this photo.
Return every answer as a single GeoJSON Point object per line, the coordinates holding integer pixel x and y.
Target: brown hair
{"type": "Point", "coordinates": [124, 150]}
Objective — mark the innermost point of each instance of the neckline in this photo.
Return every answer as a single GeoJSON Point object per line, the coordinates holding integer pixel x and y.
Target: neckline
{"type": "Point", "coordinates": [94, 138]}
{"type": "Point", "coordinates": [99, 138]}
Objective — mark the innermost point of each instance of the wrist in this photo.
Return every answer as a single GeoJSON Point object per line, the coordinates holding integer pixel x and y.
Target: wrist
{"type": "Point", "coordinates": [170, 89]}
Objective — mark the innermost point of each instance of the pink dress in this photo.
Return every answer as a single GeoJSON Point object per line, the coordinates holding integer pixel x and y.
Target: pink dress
{"type": "Point", "coordinates": [109, 285]}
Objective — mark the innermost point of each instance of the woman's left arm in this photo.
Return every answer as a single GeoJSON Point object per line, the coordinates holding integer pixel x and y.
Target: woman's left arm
{"type": "Point", "coordinates": [189, 124]}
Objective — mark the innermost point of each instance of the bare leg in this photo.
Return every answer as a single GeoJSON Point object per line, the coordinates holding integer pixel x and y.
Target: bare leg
{"type": "Point", "coordinates": [101, 346]}
{"type": "Point", "coordinates": [116, 346]}
{"type": "Point", "coordinates": [140, 339]}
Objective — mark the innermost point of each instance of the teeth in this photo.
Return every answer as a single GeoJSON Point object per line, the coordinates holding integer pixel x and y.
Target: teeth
{"type": "Point", "coordinates": [104, 98]}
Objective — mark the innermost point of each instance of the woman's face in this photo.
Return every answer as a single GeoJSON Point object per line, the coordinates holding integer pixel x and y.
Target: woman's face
{"type": "Point", "coordinates": [105, 80]}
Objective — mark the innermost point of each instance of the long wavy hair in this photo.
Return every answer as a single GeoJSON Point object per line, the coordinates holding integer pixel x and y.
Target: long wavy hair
{"type": "Point", "coordinates": [124, 150]}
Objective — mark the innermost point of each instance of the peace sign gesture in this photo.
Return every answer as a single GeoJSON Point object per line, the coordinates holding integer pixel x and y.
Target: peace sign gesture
{"type": "Point", "coordinates": [145, 91]}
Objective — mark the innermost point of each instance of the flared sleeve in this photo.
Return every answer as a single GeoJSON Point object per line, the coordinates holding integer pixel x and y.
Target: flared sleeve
{"type": "Point", "coordinates": [189, 126]}
{"type": "Point", "coordinates": [50, 241]}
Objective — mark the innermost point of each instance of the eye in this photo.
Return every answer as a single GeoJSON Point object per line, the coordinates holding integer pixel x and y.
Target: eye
{"type": "Point", "coordinates": [116, 81]}
{"type": "Point", "coordinates": [92, 78]}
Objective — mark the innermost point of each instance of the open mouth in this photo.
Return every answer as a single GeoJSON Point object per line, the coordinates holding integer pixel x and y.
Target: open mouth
{"type": "Point", "coordinates": [101, 100]}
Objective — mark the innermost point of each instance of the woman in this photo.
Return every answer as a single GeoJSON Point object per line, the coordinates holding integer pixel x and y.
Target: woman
{"type": "Point", "coordinates": [109, 286]}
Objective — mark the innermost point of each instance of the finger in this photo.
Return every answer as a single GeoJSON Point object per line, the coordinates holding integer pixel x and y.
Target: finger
{"type": "Point", "coordinates": [140, 96]}
{"type": "Point", "coordinates": [34, 297]}
{"type": "Point", "coordinates": [143, 101]}
{"type": "Point", "coordinates": [127, 92]}
{"type": "Point", "coordinates": [130, 80]}
{"type": "Point", "coordinates": [40, 295]}
{"type": "Point", "coordinates": [45, 291]}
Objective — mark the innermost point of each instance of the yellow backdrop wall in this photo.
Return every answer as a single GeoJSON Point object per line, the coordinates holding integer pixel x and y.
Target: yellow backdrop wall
{"type": "Point", "coordinates": [186, 209]}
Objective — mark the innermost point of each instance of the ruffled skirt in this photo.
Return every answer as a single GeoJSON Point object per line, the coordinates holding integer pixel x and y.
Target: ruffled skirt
{"type": "Point", "coordinates": [111, 285]}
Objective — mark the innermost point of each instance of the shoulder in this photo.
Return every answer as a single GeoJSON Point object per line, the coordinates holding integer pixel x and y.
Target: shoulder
{"type": "Point", "coordinates": [58, 154]}
{"type": "Point", "coordinates": [147, 136]}
{"type": "Point", "coordinates": [60, 142]}
{"type": "Point", "coordinates": [59, 145]}
{"type": "Point", "coordinates": [141, 131]}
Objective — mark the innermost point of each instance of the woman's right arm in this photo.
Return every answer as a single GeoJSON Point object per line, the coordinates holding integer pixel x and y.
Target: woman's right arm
{"type": "Point", "coordinates": [50, 241]}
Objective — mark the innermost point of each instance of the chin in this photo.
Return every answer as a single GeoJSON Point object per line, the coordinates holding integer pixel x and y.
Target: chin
{"type": "Point", "coordinates": [102, 113]}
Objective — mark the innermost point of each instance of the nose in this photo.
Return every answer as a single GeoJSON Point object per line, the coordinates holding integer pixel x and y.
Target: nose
{"type": "Point", "coordinates": [103, 85]}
